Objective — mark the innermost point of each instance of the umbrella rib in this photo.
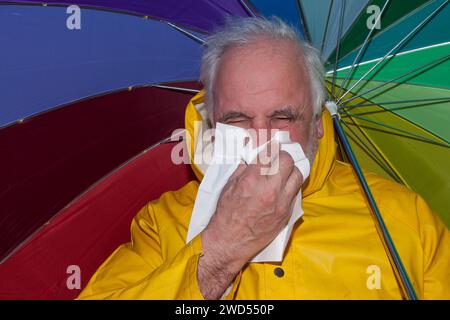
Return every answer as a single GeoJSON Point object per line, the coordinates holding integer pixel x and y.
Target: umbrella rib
{"type": "Point", "coordinates": [363, 47]}
{"type": "Point", "coordinates": [406, 119]}
{"type": "Point", "coordinates": [410, 134]}
{"type": "Point", "coordinates": [247, 8]}
{"type": "Point", "coordinates": [436, 61]}
{"type": "Point", "coordinates": [324, 36]}
{"type": "Point", "coordinates": [382, 162]}
{"type": "Point", "coordinates": [394, 24]}
{"type": "Point", "coordinates": [186, 33]}
{"type": "Point", "coordinates": [390, 110]}
{"type": "Point", "coordinates": [303, 22]}
{"type": "Point", "coordinates": [30, 117]}
{"type": "Point", "coordinates": [433, 100]}
{"type": "Point", "coordinates": [175, 88]}
{"type": "Point", "coordinates": [338, 46]}
{"type": "Point", "coordinates": [80, 196]}
{"type": "Point", "coordinates": [397, 174]}
{"type": "Point", "coordinates": [412, 32]}
{"type": "Point", "coordinates": [397, 266]}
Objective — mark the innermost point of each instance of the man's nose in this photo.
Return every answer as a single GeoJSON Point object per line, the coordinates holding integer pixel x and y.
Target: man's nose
{"type": "Point", "coordinates": [260, 131]}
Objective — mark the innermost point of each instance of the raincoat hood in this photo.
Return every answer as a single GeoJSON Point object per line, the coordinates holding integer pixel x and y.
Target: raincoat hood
{"type": "Point", "coordinates": [320, 171]}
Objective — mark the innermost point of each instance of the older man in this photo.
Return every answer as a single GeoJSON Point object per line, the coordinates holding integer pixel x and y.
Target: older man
{"type": "Point", "coordinates": [259, 75]}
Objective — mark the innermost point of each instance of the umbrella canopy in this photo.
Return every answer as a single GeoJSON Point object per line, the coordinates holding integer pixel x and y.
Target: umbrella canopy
{"type": "Point", "coordinates": [395, 100]}
{"type": "Point", "coordinates": [78, 103]}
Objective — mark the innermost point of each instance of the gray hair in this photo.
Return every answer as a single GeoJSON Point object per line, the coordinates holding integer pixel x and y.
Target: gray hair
{"type": "Point", "coordinates": [242, 31]}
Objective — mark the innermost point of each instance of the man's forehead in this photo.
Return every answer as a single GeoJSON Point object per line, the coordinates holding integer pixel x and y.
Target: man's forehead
{"type": "Point", "coordinates": [261, 56]}
{"type": "Point", "coordinates": [260, 83]}
{"type": "Point", "coordinates": [259, 50]}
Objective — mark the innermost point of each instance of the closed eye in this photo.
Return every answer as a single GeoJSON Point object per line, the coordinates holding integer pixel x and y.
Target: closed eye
{"type": "Point", "coordinates": [286, 114]}
{"type": "Point", "coordinates": [239, 120]}
{"type": "Point", "coordinates": [285, 118]}
{"type": "Point", "coordinates": [234, 117]}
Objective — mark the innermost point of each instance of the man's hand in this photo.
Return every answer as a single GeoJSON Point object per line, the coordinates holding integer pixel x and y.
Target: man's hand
{"type": "Point", "coordinates": [251, 211]}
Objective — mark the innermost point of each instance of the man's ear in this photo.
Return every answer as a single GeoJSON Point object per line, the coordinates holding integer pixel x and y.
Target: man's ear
{"type": "Point", "coordinates": [319, 125]}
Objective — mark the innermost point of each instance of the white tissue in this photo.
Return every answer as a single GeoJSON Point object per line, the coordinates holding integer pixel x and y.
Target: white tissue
{"type": "Point", "coordinates": [228, 153]}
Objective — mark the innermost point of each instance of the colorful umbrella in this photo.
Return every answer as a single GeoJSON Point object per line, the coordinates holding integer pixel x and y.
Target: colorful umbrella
{"type": "Point", "coordinates": [86, 90]}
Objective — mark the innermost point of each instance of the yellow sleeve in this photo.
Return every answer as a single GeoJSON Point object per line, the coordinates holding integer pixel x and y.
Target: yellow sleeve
{"type": "Point", "coordinates": [137, 270]}
{"type": "Point", "coordinates": [435, 238]}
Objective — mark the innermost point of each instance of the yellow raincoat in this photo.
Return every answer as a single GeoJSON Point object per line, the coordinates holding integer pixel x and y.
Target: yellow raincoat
{"type": "Point", "coordinates": [334, 251]}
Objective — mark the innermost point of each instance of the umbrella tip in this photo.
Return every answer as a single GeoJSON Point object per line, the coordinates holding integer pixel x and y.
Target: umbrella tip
{"type": "Point", "coordinates": [332, 108]}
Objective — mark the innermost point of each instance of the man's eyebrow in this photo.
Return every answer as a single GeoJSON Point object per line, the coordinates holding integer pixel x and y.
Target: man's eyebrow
{"type": "Point", "coordinates": [232, 115]}
{"type": "Point", "coordinates": [287, 112]}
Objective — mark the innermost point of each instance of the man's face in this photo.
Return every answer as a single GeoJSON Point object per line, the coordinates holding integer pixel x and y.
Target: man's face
{"type": "Point", "coordinates": [264, 86]}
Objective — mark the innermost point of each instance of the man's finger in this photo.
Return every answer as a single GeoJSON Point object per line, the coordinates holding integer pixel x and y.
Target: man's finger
{"type": "Point", "coordinates": [268, 160]}
{"type": "Point", "coordinates": [285, 166]}
{"type": "Point", "coordinates": [292, 185]}
{"type": "Point", "coordinates": [263, 161]}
